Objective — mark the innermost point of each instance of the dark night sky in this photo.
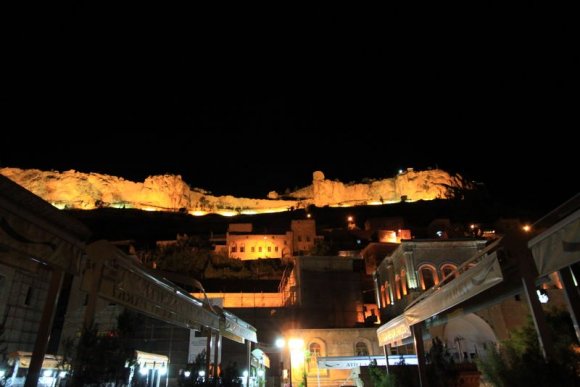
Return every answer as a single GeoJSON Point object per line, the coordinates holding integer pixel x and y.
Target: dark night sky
{"type": "Point", "coordinates": [265, 98]}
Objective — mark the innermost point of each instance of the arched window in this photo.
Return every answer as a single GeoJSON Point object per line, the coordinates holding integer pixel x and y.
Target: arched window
{"type": "Point", "coordinates": [448, 270]}
{"type": "Point", "coordinates": [428, 277]}
{"type": "Point", "coordinates": [315, 349]}
{"type": "Point", "coordinates": [383, 300]}
{"type": "Point", "coordinates": [387, 293]}
{"type": "Point", "coordinates": [361, 349]}
{"type": "Point", "coordinates": [398, 286]}
{"type": "Point", "coordinates": [404, 282]}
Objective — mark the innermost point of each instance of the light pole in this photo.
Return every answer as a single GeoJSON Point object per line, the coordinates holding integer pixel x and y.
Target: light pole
{"type": "Point", "coordinates": [296, 352]}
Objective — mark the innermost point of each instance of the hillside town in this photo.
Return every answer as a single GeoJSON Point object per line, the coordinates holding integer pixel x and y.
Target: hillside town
{"type": "Point", "coordinates": [419, 279]}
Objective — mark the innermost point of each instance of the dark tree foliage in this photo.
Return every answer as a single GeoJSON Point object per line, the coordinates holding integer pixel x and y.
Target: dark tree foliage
{"type": "Point", "coordinates": [519, 362]}
{"type": "Point", "coordinates": [101, 358]}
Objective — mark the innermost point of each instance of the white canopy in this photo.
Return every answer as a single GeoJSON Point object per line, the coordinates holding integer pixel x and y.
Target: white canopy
{"type": "Point", "coordinates": [558, 246]}
{"type": "Point", "coordinates": [482, 276]}
{"type": "Point", "coordinates": [394, 331]}
{"type": "Point", "coordinates": [23, 360]}
{"type": "Point", "coordinates": [151, 360]}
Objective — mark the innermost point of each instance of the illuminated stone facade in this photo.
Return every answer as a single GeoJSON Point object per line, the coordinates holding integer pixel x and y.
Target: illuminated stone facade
{"type": "Point", "coordinates": [255, 246]}
{"type": "Point", "coordinates": [243, 244]}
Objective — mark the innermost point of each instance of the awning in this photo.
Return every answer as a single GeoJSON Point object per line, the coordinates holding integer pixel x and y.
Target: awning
{"type": "Point", "coordinates": [23, 360]}
{"type": "Point", "coordinates": [151, 360]}
{"type": "Point", "coordinates": [260, 358]}
{"type": "Point", "coordinates": [125, 281]}
{"type": "Point", "coordinates": [349, 362]}
{"type": "Point", "coordinates": [394, 331]}
{"type": "Point", "coordinates": [234, 328]}
{"type": "Point", "coordinates": [558, 246]}
{"type": "Point", "coordinates": [478, 278]}
{"type": "Point", "coordinates": [35, 229]}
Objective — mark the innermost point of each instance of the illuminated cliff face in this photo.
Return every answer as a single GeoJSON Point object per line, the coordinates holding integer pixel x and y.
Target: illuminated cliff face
{"type": "Point", "coordinates": [410, 185]}
{"type": "Point", "coordinates": [72, 189]}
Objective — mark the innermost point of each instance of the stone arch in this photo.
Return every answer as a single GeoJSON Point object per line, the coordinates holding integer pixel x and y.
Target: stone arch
{"type": "Point", "coordinates": [448, 269]}
{"type": "Point", "coordinates": [428, 276]}
{"type": "Point", "coordinates": [316, 347]}
{"type": "Point", "coordinates": [360, 344]}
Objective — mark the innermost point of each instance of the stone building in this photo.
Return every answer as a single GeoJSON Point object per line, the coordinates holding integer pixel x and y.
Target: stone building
{"type": "Point", "coordinates": [244, 243]}
{"type": "Point", "coordinates": [321, 304]}
{"type": "Point", "coordinates": [418, 265]}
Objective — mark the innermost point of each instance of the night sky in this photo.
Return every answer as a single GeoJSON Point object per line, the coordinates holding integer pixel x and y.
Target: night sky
{"type": "Point", "coordinates": [251, 101]}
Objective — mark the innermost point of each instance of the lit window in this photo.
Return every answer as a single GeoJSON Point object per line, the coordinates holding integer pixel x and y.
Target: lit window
{"type": "Point", "coordinates": [428, 277]}
{"type": "Point", "coordinates": [387, 290]}
{"type": "Point", "coordinates": [383, 300]}
{"type": "Point", "coordinates": [315, 351]}
{"type": "Point", "coordinates": [361, 349]}
{"type": "Point", "coordinates": [404, 282]}
{"type": "Point", "coordinates": [398, 286]}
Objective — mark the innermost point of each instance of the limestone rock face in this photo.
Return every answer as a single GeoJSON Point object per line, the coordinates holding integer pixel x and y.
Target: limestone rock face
{"type": "Point", "coordinates": [411, 185]}
{"type": "Point", "coordinates": [317, 176]}
{"type": "Point", "coordinates": [72, 189]}
{"type": "Point", "coordinates": [424, 185]}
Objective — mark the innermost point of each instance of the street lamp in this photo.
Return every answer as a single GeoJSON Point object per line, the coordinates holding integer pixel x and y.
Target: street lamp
{"type": "Point", "coordinates": [296, 351]}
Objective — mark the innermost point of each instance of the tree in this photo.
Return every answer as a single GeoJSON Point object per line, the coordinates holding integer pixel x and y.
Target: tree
{"type": "Point", "coordinates": [519, 361]}
{"type": "Point", "coordinates": [379, 377]}
{"type": "Point", "coordinates": [441, 364]}
{"type": "Point", "coordinates": [101, 356]}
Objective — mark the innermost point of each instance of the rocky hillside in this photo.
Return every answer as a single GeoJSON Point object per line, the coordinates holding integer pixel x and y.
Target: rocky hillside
{"type": "Point", "coordinates": [72, 189]}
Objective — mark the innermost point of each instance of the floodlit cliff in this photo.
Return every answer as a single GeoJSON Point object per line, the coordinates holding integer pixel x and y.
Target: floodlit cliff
{"type": "Point", "coordinates": [409, 185]}
{"type": "Point", "coordinates": [72, 189]}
